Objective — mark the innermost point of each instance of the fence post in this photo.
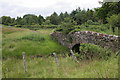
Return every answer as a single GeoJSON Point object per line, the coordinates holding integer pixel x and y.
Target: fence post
{"type": "Point", "coordinates": [56, 59]}
{"type": "Point", "coordinates": [74, 56]}
{"type": "Point", "coordinates": [24, 61]}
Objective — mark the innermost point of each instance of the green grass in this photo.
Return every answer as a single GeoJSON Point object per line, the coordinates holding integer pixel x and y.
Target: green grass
{"type": "Point", "coordinates": [68, 68]}
{"type": "Point", "coordinates": [32, 42]}
{"type": "Point", "coordinates": [16, 40]}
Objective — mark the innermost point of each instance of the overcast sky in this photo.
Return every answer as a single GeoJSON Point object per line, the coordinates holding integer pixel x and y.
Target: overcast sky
{"type": "Point", "coordinates": [16, 8]}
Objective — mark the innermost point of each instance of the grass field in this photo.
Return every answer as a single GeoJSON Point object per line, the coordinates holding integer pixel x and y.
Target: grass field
{"type": "Point", "coordinates": [68, 68]}
{"type": "Point", "coordinates": [17, 40]}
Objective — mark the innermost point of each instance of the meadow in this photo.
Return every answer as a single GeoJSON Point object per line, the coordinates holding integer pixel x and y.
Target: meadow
{"type": "Point", "coordinates": [38, 46]}
{"type": "Point", "coordinates": [30, 34]}
{"type": "Point", "coordinates": [16, 40]}
{"type": "Point", "coordinates": [67, 68]}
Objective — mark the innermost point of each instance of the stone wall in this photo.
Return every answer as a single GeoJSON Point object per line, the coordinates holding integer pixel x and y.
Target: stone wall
{"type": "Point", "coordinates": [103, 40]}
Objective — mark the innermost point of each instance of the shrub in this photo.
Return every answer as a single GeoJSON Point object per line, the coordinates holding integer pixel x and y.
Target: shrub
{"type": "Point", "coordinates": [90, 22]}
{"type": "Point", "coordinates": [89, 51]}
{"type": "Point", "coordinates": [37, 27]}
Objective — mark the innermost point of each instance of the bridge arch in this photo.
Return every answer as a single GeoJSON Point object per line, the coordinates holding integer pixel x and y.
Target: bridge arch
{"type": "Point", "coordinates": [103, 40]}
{"type": "Point", "coordinates": [76, 48]}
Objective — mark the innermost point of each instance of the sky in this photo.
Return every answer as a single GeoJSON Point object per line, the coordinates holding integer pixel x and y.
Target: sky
{"type": "Point", "coordinates": [16, 8]}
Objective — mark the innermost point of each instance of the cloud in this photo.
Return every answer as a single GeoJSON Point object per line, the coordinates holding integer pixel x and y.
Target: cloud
{"type": "Point", "coordinates": [16, 8]}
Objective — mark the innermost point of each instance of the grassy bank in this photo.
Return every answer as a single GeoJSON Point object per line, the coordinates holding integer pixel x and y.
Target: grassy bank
{"type": "Point", "coordinates": [16, 41]}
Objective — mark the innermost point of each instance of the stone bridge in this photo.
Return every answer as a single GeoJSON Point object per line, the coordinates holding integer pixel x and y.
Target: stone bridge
{"type": "Point", "coordinates": [73, 40]}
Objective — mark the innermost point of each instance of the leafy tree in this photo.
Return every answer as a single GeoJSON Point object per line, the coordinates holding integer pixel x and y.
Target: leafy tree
{"type": "Point", "coordinates": [81, 17]}
{"type": "Point", "coordinates": [89, 15]}
{"type": "Point", "coordinates": [6, 20]}
{"type": "Point", "coordinates": [54, 19]}
{"type": "Point", "coordinates": [40, 19]}
{"type": "Point", "coordinates": [107, 10]}
{"type": "Point", "coordinates": [66, 26]}
{"type": "Point", "coordinates": [47, 22]}
{"type": "Point", "coordinates": [19, 21]}
{"type": "Point", "coordinates": [30, 19]}
{"type": "Point", "coordinates": [114, 21]}
{"type": "Point", "coordinates": [13, 22]}
{"type": "Point", "coordinates": [61, 17]}
{"type": "Point", "coordinates": [66, 15]}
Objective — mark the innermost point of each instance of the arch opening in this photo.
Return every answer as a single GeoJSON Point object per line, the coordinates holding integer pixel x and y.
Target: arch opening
{"type": "Point", "coordinates": [76, 48]}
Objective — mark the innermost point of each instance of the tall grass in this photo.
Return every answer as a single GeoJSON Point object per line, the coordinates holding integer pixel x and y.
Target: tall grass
{"type": "Point", "coordinates": [40, 43]}
{"type": "Point", "coordinates": [68, 68]}
{"type": "Point", "coordinates": [32, 42]}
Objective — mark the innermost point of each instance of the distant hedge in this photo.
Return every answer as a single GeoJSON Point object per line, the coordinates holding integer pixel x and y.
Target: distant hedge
{"type": "Point", "coordinates": [36, 27]}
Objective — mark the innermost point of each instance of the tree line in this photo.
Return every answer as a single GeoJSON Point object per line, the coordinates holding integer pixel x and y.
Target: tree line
{"type": "Point", "coordinates": [108, 13]}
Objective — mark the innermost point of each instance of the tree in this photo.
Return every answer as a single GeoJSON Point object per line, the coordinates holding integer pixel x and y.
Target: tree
{"type": "Point", "coordinates": [30, 19]}
{"type": "Point", "coordinates": [66, 15]}
{"type": "Point", "coordinates": [81, 17]}
{"type": "Point", "coordinates": [66, 26]}
{"type": "Point", "coordinates": [61, 17]}
{"type": "Point", "coordinates": [74, 12]}
{"type": "Point", "coordinates": [40, 19]}
{"type": "Point", "coordinates": [54, 19]}
{"type": "Point", "coordinates": [89, 15]}
{"type": "Point", "coordinates": [19, 21]}
{"type": "Point", "coordinates": [47, 22]}
{"type": "Point", "coordinates": [114, 21]}
{"type": "Point", "coordinates": [13, 22]}
{"type": "Point", "coordinates": [107, 10]}
{"type": "Point", "coordinates": [6, 20]}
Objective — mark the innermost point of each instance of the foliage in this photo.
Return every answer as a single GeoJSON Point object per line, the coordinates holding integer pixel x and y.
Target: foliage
{"type": "Point", "coordinates": [6, 20]}
{"type": "Point", "coordinates": [89, 22]}
{"type": "Point", "coordinates": [40, 19]}
{"type": "Point", "coordinates": [104, 28]}
{"type": "Point", "coordinates": [37, 27]}
{"type": "Point", "coordinates": [90, 51]}
{"type": "Point", "coordinates": [114, 21]}
{"type": "Point", "coordinates": [54, 19]}
{"type": "Point", "coordinates": [66, 26]}
{"type": "Point", "coordinates": [88, 17]}
{"type": "Point", "coordinates": [107, 10]}
{"type": "Point", "coordinates": [47, 22]}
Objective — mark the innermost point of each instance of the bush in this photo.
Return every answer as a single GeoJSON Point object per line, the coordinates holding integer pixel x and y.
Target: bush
{"type": "Point", "coordinates": [65, 27]}
{"type": "Point", "coordinates": [37, 27]}
{"type": "Point", "coordinates": [90, 22]}
{"type": "Point", "coordinates": [89, 51]}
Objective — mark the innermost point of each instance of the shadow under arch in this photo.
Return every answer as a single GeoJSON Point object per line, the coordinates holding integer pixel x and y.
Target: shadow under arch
{"type": "Point", "coordinates": [76, 48]}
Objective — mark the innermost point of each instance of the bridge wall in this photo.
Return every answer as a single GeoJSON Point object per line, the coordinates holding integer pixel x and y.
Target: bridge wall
{"type": "Point", "coordinates": [103, 40]}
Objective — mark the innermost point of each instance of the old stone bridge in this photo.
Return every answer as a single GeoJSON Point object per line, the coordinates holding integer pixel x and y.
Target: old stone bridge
{"type": "Point", "coordinates": [73, 40]}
